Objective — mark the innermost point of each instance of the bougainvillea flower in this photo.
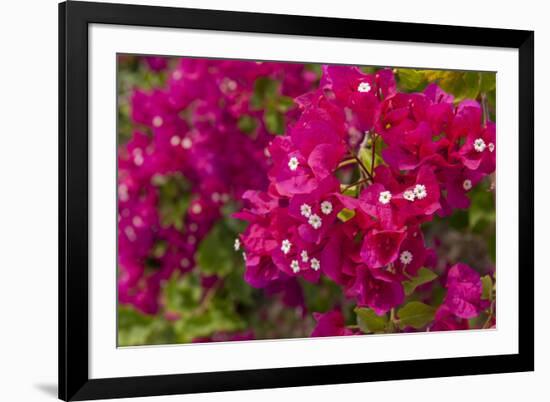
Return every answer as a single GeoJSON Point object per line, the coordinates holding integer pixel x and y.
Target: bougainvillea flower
{"type": "Point", "coordinates": [330, 324]}
{"type": "Point", "coordinates": [478, 151]}
{"type": "Point", "coordinates": [381, 247]}
{"type": "Point", "coordinates": [446, 320]}
{"type": "Point", "coordinates": [377, 289]}
{"type": "Point", "coordinates": [464, 291]}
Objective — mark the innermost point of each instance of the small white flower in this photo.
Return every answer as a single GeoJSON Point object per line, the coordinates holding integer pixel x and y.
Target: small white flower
{"type": "Point", "coordinates": [230, 84]}
{"type": "Point", "coordinates": [315, 221]}
{"type": "Point", "coordinates": [157, 121]}
{"type": "Point", "coordinates": [177, 74]}
{"type": "Point", "coordinates": [491, 147]}
{"type": "Point", "coordinates": [295, 266]}
{"type": "Point", "coordinates": [184, 263]}
{"type": "Point", "coordinates": [363, 87]}
{"type": "Point", "coordinates": [196, 209]}
{"type": "Point", "coordinates": [244, 256]}
{"type": "Point", "coordinates": [137, 221]}
{"type": "Point", "coordinates": [467, 185]}
{"type": "Point", "coordinates": [326, 207]}
{"type": "Point", "coordinates": [420, 191]}
{"type": "Point", "coordinates": [138, 159]}
{"type": "Point", "coordinates": [123, 192]}
{"type": "Point", "coordinates": [237, 244]}
{"type": "Point", "coordinates": [384, 197]}
{"type": "Point", "coordinates": [315, 264]}
{"type": "Point", "coordinates": [285, 246]}
{"type": "Point", "coordinates": [304, 256]}
{"type": "Point", "coordinates": [406, 257]}
{"type": "Point", "coordinates": [130, 233]}
{"type": "Point", "coordinates": [216, 197]}
{"type": "Point", "coordinates": [293, 163]}
{"type": "Point", "coordinates": [305, 210]}
{"type": "Point", "coordinates": [409, 195]}
{"type": "Point", "coordinates": [175, 141]}
{"type": "Point", "coordinates": [479, 145]}
{"type": "Point", "coordinates": [186, 143]}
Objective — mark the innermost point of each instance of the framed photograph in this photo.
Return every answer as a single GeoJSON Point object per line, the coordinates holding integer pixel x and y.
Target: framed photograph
{"type": "Point", "coordinates": [258, 200]}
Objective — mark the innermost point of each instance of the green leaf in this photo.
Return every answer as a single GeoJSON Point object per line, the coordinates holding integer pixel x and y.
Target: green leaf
{"type": "Point", "coordinates": [424, 276]}
{"type": "Point", "coordinates": [346, 214]}
{"type": "Point", "coordinates": [264, 90]}
{"type": "Point", "coordinates": [285, 103]}
{"type": "Point", "coordinates": [416, 314]}
{"type": "Point", "coordinates": [247, 124]}
{"type": "Point", "coordinates": [488, 82]}
{"type": "Point", "coordinates": [274, 121]}
{"type": "Point", "coordinates": [411, 79]}
{"type": "Point", "coordinates": [351, 191]}
{"type": "Point", "coordinates": [369, 321]}
{"type": "Point", "coordinates": [215, 254]}
{"type": "Point", "coordinates": [175, 196]}
{"type": "Point", "coordinates": [487, 283]}
{"type": "Point", "coordinates": [182, 294]}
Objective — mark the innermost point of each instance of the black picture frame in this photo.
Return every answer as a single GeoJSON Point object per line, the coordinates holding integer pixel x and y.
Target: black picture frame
{"type": "Point", "coordinates": [74, 19]}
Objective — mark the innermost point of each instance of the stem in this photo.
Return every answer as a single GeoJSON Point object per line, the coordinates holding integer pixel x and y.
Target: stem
{"type": "Point", "coordinates": [489, 318]}
{"type": "Point", "coordinates": [364, 168]}
{"type": "Point", "coordinates": [373, 155]}
{"type": "Point", "coordinates": [362, 181]}
{"type": "Point", "coordinates": [393, 324]}
{"type": "Point", "coordinates": [346, 162]}
{"type": "Point", "coordinates": [485, 108]}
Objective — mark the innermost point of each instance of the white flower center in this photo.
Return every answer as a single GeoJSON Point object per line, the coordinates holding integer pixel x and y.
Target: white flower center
{"type": "Point", "coordinates": [384, 197]}
{"type": "Point", "coordinates": [491, 147]}
{"type": "Point", "coordinates": [285, 246]}
{"type": "Point", "coordinates": [420, 191]}
{"type": "Point", "coordinates": [177, 75]}
{"type": "Point", "coordinates": [157, 121]}
{"type": "Point", "coordinates": [315, 264]}
{"type": "Point", "coordinates": [479, 145]}
{"type": "Point", "coordinates": [293, 163]}
{"type": "Point", "coordinates": [237, 244]}
{"type": "Point", "coordinates": [193, 227]}
{"type": "Point", "coordinates": [315, 221]}
{"type": "Point", "coordinates": [186, 143]}
{"type": "Point", "coordinates": [409, 195]}
{"type": "Point", "coordinates": [184, 262]}
{"type": "Point", "coordinates": [295, 266]}
{"type": "Point", "coordinates": [467, 185]}
{"type": "Point", "coordinates": [326, 207]}
{"type": "Point", "coordinates": [305, 210]}
{"type": "Point", "coordinates": [304, 256]}
{"type": "Point", "coordinates": [406, 257]}
{"type": "Point", "coordinates": [363, 87]}
{"type": "Point", "coordinates": [175, 141]}
{"type": "Point", "coordinates": [191, 239]}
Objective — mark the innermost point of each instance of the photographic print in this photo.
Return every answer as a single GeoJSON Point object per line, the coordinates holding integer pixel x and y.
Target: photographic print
{"type": "Point", "coordinates": [273, 200]}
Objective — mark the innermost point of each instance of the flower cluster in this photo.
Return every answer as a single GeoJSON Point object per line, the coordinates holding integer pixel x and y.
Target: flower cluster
{"type": "Point", "coordinates": [202, 132]}
{"type": "Point", "coordinates": [353, 180]}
